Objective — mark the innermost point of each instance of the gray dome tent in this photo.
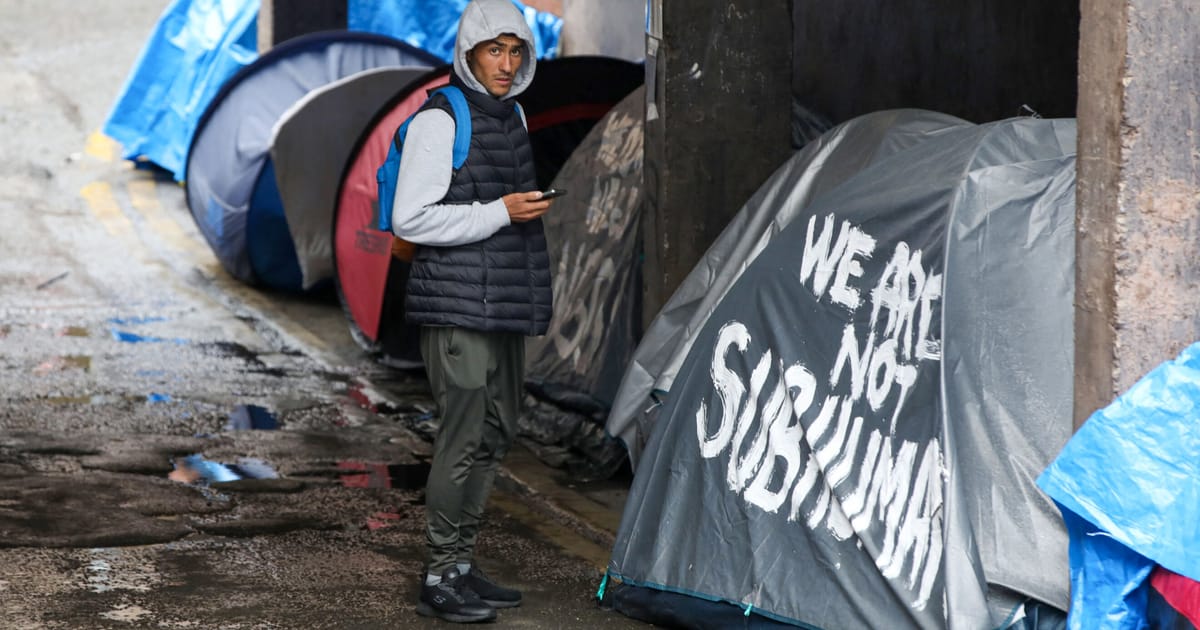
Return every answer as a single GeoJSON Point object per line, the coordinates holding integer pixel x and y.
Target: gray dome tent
{"type": "Point", "coordinates": [852, 437]}
{"type": "Point", "coordinates": [594, 235]}
{"type": "Point", "coordinates": [311, 144]}
{"type": "Point", "coordinates": [232, 190]}
{"type": "Point", "coordinates": [822, 165]}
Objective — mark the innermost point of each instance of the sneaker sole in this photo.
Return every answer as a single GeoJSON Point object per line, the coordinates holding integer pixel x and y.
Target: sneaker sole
{"type": "Point", "coordinates": [425, 610]}
{"type": "Point", "coordinates": [495, 603]}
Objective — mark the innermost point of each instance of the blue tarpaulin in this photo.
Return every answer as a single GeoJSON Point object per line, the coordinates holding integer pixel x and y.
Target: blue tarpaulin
{"type": "Point", "coordinates": [1128, 484]}
{"type": "Point", "coordinates": [195, 47]}
{"type": "Point", "coordinates": [433, 26]}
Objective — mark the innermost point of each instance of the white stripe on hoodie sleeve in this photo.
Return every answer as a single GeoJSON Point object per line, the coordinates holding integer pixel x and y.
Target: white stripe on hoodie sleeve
{"type": "Point", "coordinates": [426, 166]}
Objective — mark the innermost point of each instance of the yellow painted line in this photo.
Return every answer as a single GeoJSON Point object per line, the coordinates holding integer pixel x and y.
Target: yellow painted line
{"type": "Point", "coordinates": [143, 195]}
{"type": "Point", "coordinates": [101, 147]}
{"type": "Point", "coordinates": [144, 200]}
{"type": "Point", "coordinates": [103, 205]}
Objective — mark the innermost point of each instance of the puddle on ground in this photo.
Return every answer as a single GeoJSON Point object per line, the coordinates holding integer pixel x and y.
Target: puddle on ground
{"type": "Point", "coordinates": [380, 520]}
{"type": "Point", "coordinates": [357, 474]}
{"type": "Point", "coordinates": [360, 396]}
{"type": "Point", "coordinates": [75, 331]}
{"type": "Point", "coordinates": [232, 350]}
{"type": "Point", "coordinates": [332, 377]}
{"type": "Point", "coordinates": [154, 397]}
{"type": "Point", "coordinates": [65, 362]}
{"type": "Point", "coordinates": [197, 469]}
{"type": "Point", "coordinates": [75, 400]}
{"type": "Point", "coordinates": [127, 613]}
{"type": "Point", "coordinates": [99, 399]}
{"type": "Point", "coordinates": [251, 418]}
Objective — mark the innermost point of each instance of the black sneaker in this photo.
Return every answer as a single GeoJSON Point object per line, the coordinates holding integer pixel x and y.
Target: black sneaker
{"type": "Point", "coordinates": [452, 601]}
{"type": "Point", "coordinates": [491, 593]}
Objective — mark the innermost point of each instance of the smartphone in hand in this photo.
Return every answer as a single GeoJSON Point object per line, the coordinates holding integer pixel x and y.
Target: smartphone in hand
{"type": "Point", "coordinates": [552, 193]}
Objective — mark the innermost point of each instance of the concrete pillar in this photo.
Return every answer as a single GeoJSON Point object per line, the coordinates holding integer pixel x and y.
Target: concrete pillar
{"type": "Point", "coordinates": [611, 28]}
{"type": "Point", "coordinates": [718, 78]}
{"type": "Point", "coordinates": [1137, 298]}
{"type": "Point", "coordinates": [281, 20]}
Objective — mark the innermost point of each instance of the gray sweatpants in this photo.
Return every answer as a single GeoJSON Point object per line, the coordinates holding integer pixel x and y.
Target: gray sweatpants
{"type": "Point", "coordinates": [478, 383]}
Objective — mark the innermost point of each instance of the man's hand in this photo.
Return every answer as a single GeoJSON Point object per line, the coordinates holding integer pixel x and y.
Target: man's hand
{"type": "Point", "coordinates": [525, 206]}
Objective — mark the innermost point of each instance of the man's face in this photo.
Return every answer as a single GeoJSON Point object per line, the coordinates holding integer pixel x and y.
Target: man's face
{"type": "Point", "coordinates": [495, 62]}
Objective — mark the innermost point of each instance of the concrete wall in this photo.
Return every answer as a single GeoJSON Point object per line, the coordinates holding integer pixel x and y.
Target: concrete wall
{"type": "Point", "coordinates": [1138, 211]}
{"type": "Point", "coordinates": [717, 125]}
{"type": "Point", "coordinates": [612, 28]}
{"type": "Point", "coordinates": [979, 59]}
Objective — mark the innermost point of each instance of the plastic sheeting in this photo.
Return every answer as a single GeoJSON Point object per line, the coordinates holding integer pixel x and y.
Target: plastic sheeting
{"type": "Point", "coordinates": [594, 235]}
{"type": "Point", "coordinates": [195, 47]}
{"type": "Point", "coordinates": [1129, 485]}
{"type": "Point", "coordinates": [594, 232]}
{"type": "Point", "coordinates": [821, 166]}
{"type": "Point", "coordinates": [852, 438]}
{"type": "Point", "coordinates": [433, 26]}
{"type": "Point", "coordinates": [312, 143]}
{"type": "Point", "coordinates": [232, 190]}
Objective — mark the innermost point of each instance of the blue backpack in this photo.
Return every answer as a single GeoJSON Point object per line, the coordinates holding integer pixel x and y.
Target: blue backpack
{"type": "Point", "coordinates": [385, 177]}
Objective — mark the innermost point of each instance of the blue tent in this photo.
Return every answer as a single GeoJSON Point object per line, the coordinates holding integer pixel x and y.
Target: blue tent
{"type": "Point", "coordinates": [197, 45]}
{"type": "Point", "coordinates": [231, 184]}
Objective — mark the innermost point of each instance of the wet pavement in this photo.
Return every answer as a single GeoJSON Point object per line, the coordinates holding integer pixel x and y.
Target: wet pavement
{"type": "Point", "coordinates": [179, 450]}
{"type": "Point", "coordinates": [97, 535]}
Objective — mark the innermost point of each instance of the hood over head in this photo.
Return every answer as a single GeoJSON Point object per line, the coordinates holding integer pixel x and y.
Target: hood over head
{"type": "Point", "coordinates": [485, 20]}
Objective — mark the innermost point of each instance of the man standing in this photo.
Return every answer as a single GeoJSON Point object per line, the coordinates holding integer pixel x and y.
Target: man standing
{"type": "Point", "coordinates": [479, 283]}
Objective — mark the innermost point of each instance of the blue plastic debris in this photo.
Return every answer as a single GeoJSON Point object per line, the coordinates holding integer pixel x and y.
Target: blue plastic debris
{"type": "Point", "coordinates": [128, 337]}
{"type": "Point", "coordinates": [195, 47]}
{"type": "Point", "coordinates": [1128, 484]}
{"type": "Point", "coordinates": [198, 469]}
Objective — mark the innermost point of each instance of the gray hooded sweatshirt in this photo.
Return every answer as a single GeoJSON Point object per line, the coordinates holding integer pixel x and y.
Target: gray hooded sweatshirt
{"type": "Point", "coordinates": [426, 165]}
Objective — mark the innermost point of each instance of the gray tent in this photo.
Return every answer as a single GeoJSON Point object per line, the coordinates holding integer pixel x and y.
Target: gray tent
{"type": "Point", "coordinates": [232, 190]}
{"type": "Point", "coordinates": [821, 166]}
{"type": "Point", "coordinates": [852, 436]}
{"type": "Point", "coordinates": [310, 145]}
{"type": "Point", "coordinates": [594, 236]}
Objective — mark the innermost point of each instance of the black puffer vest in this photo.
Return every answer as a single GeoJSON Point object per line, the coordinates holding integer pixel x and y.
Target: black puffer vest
{"type": "Point", "coordinates": [502, 283]}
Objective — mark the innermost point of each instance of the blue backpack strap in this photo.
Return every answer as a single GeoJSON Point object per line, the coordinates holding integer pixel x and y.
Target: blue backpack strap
{"type": "Point", "coordinates": [462, 122]}
{"type": "Point", "coordinates": [388, 173]}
